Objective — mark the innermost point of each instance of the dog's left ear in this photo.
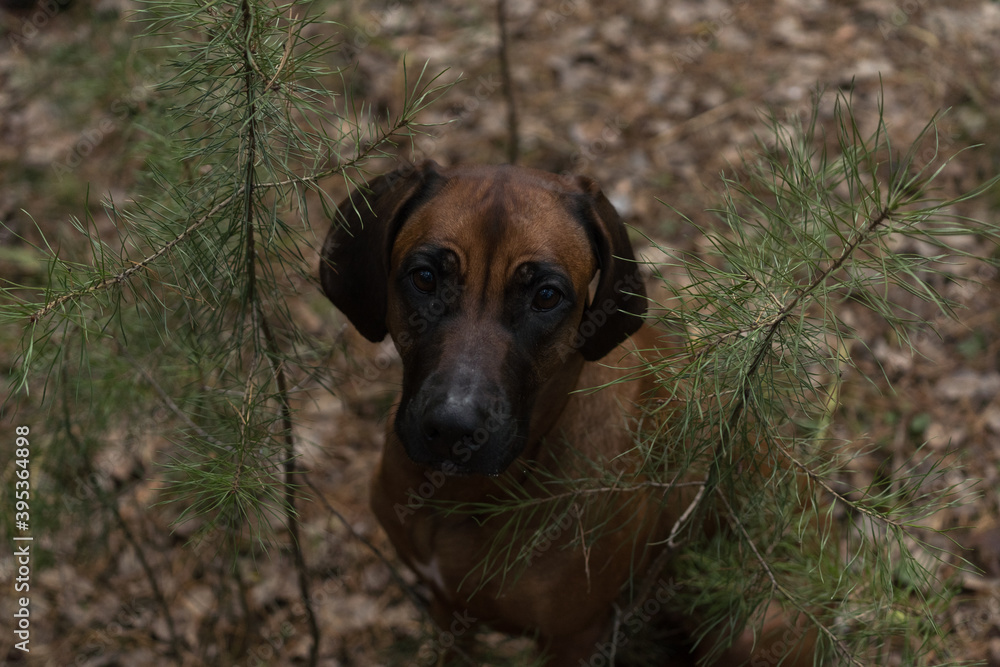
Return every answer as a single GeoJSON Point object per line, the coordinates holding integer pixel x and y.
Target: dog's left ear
{"type": "Point", "coordinates": [616, 310]}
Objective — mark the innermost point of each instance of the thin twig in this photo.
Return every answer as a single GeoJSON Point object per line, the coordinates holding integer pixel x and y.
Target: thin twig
{"type": "Point", "coordinates": [397, 577]}
{"type": "Point", "coordinates": [147, 570]}
{"type": "Point", "coordinates": [290, 472]}
{"type": "Point", "coordinates": [575, 493]}
{"type": "Point", "coordinates": [704, 119]}
{"type": "Point", "coordinates": [815, 477]}
{"type": "Point", "coordinates": [513, 139]}
{"type": "Point", "coordinates": [869, 229]}
{"type": "Point", "coordinates": [250, 625]}
{"type": "Point", "coordinates": [109, 503]}
{"type": "Point", "coordinates": [120, 278]}
{"type": "Point", "coordinates": [775, 321]}
{"type": "Point", "coordinates": [272, 350]}
{"type": "Point", "coordinates": [684, 517]}
{"type": "Point", "coordinates": [584, 548]}
{"type": "Point", "coordinates": [653, 574]}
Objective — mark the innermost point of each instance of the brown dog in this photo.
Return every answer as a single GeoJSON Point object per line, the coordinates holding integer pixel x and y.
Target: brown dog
{"type": "Point", "coordinates": [484, 278]}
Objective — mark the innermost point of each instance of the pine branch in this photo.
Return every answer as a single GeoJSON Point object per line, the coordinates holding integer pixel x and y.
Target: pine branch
{"type": "Point", "coordinates": [774, 323]}
{"type": "Point", "coordinates": [123, 276]}
{"type": "Point", "coordinates": [209, 216]}
{"type": "Point", "coordinates": [818, 479]}
{"type": "Point", "coordinates": [765, 565]}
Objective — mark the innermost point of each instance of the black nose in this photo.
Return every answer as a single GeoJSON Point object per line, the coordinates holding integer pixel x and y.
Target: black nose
{"type": "Point", "coordinates": [460, 421]}
{"type": "Point", "coordinates": [452, 425]}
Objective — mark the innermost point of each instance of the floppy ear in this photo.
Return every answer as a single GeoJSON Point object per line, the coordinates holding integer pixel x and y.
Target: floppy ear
{"type": "Point", "coordinates": [619, 303]}
{"type": "Point", "coordinates": [354, 263]}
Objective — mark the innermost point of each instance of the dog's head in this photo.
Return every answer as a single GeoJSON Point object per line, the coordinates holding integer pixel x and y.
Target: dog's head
{"type": "Point", "coordinates": [482, 277]}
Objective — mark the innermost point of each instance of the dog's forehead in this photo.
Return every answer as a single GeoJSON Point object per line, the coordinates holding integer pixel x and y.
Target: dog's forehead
{"type": "Point", "coordinates": [490, 218]}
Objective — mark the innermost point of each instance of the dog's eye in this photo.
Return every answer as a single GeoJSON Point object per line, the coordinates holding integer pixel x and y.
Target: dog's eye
{"type": "Point", "coordinates": [546, 298]}
{"type": "Point", "coordinates": [424, 280]}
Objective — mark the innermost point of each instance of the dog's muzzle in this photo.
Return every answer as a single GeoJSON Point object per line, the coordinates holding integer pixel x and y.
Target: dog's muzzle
{"type": "Point", "coordinates": [460, 424]}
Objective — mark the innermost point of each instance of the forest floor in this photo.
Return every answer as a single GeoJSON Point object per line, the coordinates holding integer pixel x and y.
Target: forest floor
{"type": "Point", "coordinates": [654, 100]}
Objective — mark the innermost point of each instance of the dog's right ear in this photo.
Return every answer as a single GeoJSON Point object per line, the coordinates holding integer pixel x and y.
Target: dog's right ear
{"type": "Point", "coordinates": [354, 263]}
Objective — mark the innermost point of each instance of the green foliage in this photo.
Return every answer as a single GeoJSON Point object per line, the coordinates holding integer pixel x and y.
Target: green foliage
{"type": "Point", "coordinates": [177, 310]}
{"type": "Point", "coordinates": [193, 277]}
{"type": "Point", "coordinates": [807, 231]}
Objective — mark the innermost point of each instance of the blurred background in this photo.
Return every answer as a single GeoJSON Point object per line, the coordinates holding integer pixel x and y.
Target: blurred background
{"type": "Point", "coordinates": [653, 99]}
